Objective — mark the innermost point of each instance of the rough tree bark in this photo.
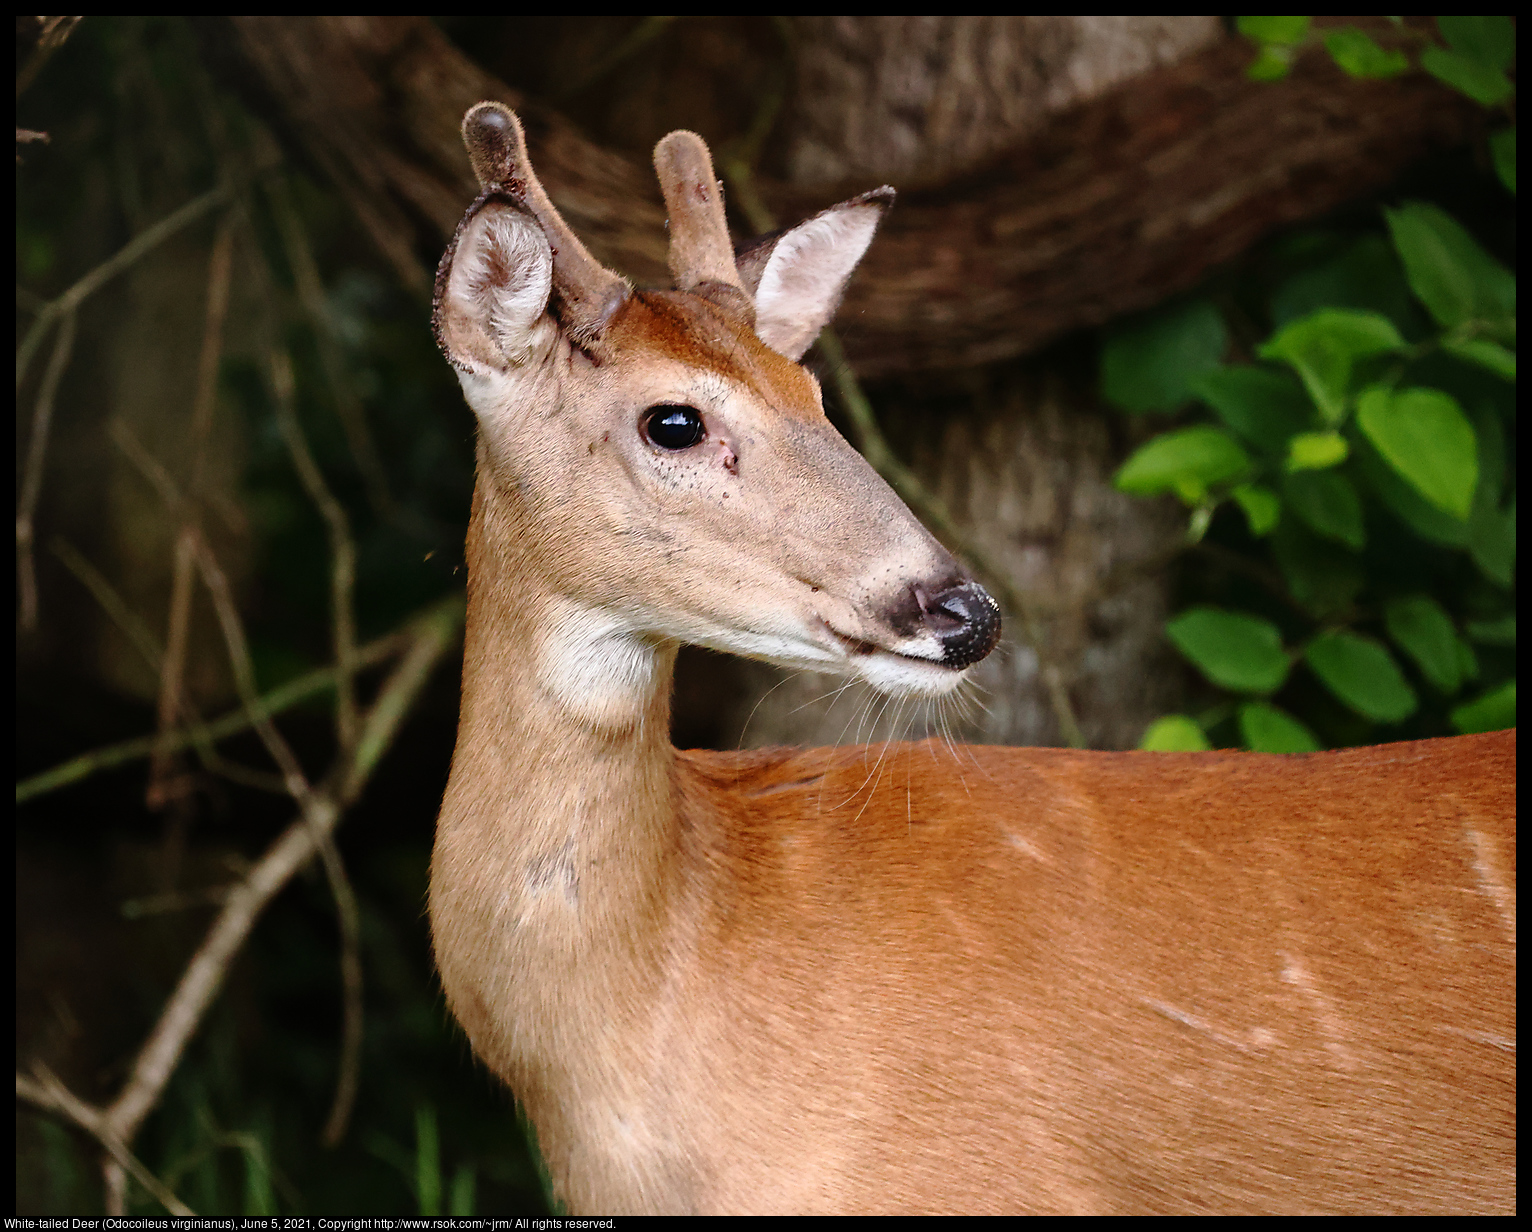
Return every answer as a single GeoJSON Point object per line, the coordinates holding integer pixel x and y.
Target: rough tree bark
{"type": "Point", "coordinates": [1102, 208]}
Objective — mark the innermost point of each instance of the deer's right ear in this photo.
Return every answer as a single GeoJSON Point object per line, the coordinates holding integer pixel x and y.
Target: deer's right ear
{"type": "Point", "coordinates": [797, 277]}
{"type": "Point", "coordinates": [492, 290]}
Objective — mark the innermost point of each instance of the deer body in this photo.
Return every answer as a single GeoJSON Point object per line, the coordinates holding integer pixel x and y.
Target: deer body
{"type": "Point", "coordinates": [909, 977]}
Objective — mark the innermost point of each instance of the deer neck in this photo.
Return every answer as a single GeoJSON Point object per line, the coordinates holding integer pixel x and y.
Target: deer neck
{"type": "Point", "coordinates": [554, 873]}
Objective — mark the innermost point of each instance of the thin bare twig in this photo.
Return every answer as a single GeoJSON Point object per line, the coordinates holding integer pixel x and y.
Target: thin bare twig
{"type": "Point", "coordinates": [105, 594]}
{"type": "Point", "coordinates": [238, 647]}
{"type": "Point", "coordinates": [312, 807]}
{"type": "Point", "coordinates": [435, 630]}
{"type": "Point", "coordinates": [54, 31]}
{"type": "Point", "coordinates": [32, 480]}
{"type": "Point", "coordinates": [144, 642]}
{"type": "Point", "coordinates": [144, 242]}
{"type": "Point", "coordinates": [173, 666]}
{"type": "Point", "coordinates": [348, 1075]}
{"type": "Point", "coordinates": [147, 464]}
{"type": "Point", "coordinates": [44, 1090]}
{"type": "Point", "coordinates": [342, 548]}
{"type": "Point", "coordinates": [343, 624]}
{"type": "Point", "coordinates": [204, 975]}
{"type": "Point", "coordinates": [279, 699]}
{"type": "Point", "coordinates": [353, 419]}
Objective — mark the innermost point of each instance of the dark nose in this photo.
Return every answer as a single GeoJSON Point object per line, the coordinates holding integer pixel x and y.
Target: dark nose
{"type": "Point", "coordinates": [965, 620]}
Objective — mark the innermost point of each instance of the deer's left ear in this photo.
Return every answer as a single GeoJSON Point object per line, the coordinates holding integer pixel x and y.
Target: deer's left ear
{"type": "Point", "coordinates": [798, 276]}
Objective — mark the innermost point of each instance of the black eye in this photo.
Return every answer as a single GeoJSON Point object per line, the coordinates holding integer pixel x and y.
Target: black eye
{"type": "Point", "coordinates": [673, 427]}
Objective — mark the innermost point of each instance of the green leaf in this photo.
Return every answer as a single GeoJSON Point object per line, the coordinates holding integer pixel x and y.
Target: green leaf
{"type": "Point", "coordinates": [1150, 363]}
{"type": "Point", "coordinates": [1485, 85]}
{"type": "Point", "coordinates": [1273, 63]}
{"type": "Point", "coordinates": [1420, 628]}
{"type": "Point", "coordinates": [1365, 275]}
{"type": "Point", "coordinates": [1485, 354]}
{"type": "Point", "coordinates": [1267, 729]}
{"type": "Point", "coordinates": [1495, 711]}
{"type": "Point", "coordinates": [1323, 346]}
{"type": "Point", "coordinates": [1286, 30]}
{"type": "Point", "coordinates": [1175, 733]}
{"type": "Point", "coordinates": [1424, 435]}
{"type": "Point", "coordinates": [1261, 505]}
{"type": "Point", "coordinates": [1492, 458]}
{"type": "Point", "coordinates": [1201, 519]}
{"type": "Point", "coordinates": [1405, 503]}
{"type": "Point", "coordinates": [1360, 56]}
{"type": "Point", "coordinates": [1452, 275]}
{"type": "Point", "coordinates": [461, 1201]}
{"type": "Point", "coordinates": [1502, 148]}
{"type": "Point", "coordinates": [1490, 41]}
{"type": "Point", "coordinates": [1233, 650]}
{"type": "Point", "coordinates": [1468, 662]}
{"type": "Point", "coordinates": [1327, 502]}
{"type": "Point", "coordinates": [1316, 451]}
{"type": "Point", "coordinates": [1263, 405]}
{"type": "Point", "coordinates": [1362, 673]}
{"type": "Point", "coordinates": [1492, 543]}
{"type": "Point", "coordinates": [1186, 462]}
{"type": "Point", "coordinates": [1320, 574]}
{"type": "Point", "coordinates": [1498, 632]}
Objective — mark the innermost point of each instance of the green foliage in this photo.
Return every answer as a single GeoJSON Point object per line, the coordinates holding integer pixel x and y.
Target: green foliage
{"type": "Point", "coordinates": [1425, 436]}
{"type": "Point", "coordinates": [1264, 406]}
{"type": "Point", "coordinates": [1328, 504]}
{"type": "Point", "coordinates": [1187, 462]}
{"type": "Point", "coordinates": [1316, 451]}
{"type": "Point", "coordinates": [1261, 505]}
{"type": "Point", "coordinates": [1270, 729]}
{"type": "Point", "coordinates": [1502, 148]}
{"type": "Point", "coordinates": [1494, 711]}
{"type": "Point", "coordinates": [1155, 359]}
{"type": "Point", "coordinates": [1419, 626]}
{"type": "Point", "coordinates": [1279, 39]}
{"type": "Point", "coordinates": [1359, 55]}
{"type": "Point", "coordinates": [1473, 59]}
{"type": "Point", "coordinates": [1175, 733]}
{"type": "Point", "coordinates": [1460, 284]}
{"type": "Point", "coordinates": [1284, 30]}
{"type": "Point", "coordinates": [1239, 652]}
{"type": "Point", "coordinates": [1481, 82]}
{"type": "Point", "coordinates": [1490, 41]}
{"type": "Point", "coordinates": [1361, 673]}
{"type": "Point", "coordinates": [1323, 349]}
{"type": "Point", "coordinates": [1369, 453]}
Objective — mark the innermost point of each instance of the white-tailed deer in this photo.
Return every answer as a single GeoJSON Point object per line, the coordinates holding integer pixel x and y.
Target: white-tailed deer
{"type": "Point", "coordinates": [909, 978]}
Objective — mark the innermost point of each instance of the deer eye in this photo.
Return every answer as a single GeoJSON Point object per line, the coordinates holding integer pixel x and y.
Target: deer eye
{"type": "Point", "coordinates": [673, 427]}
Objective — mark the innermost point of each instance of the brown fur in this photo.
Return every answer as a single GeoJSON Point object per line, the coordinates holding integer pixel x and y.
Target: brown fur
{"type": "Point", "coordinates": [692, 331]}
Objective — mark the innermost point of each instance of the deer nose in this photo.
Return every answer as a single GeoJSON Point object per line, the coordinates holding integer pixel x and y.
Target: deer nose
{"type": "Point", "coordinates": [965, 619]}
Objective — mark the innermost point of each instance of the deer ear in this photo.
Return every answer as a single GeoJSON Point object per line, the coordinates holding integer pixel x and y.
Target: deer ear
{"type": "Point", "coordinates": [797, 277]}
{"type": "Point", "coordinates": [492, 290]}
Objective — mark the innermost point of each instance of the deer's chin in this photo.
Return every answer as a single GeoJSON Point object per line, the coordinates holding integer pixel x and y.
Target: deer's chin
{"type": "Point", "coordinates": [901, 675]}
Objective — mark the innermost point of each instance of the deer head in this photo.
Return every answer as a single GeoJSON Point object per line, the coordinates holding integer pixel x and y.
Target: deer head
{"type": "Point", "coordinates": [658, 467]}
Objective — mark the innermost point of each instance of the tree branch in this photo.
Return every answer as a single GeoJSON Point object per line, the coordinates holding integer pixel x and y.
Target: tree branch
{"type": "Point", "coordinates": [45, 1091]}
{"type": "Point", "coordinates": [1106, 208]}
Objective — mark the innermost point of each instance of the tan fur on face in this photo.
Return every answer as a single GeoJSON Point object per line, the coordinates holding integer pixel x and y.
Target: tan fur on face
{"type": "Point", "coordinates": [689, 330]}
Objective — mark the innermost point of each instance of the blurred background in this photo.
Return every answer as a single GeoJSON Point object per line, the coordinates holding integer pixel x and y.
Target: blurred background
{"type": "Point", "coordinates": [1194, 335]}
